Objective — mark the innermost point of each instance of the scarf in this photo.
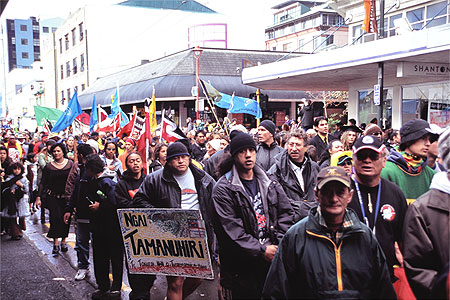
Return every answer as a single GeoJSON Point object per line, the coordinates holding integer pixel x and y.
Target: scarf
{"type": "Point", "coordinates": [413, 162]}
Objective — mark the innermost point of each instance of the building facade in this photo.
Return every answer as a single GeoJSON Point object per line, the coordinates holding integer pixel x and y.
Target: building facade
{"type": "Point", "coordinates": [305, 26]}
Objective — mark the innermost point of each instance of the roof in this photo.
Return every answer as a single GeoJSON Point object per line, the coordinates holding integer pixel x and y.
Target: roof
{"type": "Point", "coordinates": [192, 6]}
{"type": "Point", "coordinates": [173, 77]}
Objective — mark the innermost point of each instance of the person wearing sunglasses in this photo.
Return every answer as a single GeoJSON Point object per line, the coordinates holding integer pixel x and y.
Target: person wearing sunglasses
{"type": "Point", "coordinates": [379, 203]}
{"type": "Point", "coordinates": [343, 159]}
{"type": "Point", "coordinates": [407, 165]}
{"type": "Point", "coordinates": [375, 130]}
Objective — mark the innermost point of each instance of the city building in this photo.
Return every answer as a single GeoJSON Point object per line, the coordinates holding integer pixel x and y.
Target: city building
{"type": "Point", "coordinates": [305, 26]}
{"type": "Point", "coordinates": [414, 53]}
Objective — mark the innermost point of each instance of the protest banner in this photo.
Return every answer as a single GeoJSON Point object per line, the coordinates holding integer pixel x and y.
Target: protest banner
{"type": "Point", "coordinates": [165, 241]}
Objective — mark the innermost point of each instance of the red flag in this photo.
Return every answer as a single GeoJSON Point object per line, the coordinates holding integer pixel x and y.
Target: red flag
{"type": "Point", "coordinates": [109, 125]}
{"type": "Point", "coordinates": [127, 128]}
{"type": "Point", "coordinates": [170, 130]}
{"type": "Point", "coordinates": [146, 136]}
{"type": "Point", "coordinates": [102, 114]}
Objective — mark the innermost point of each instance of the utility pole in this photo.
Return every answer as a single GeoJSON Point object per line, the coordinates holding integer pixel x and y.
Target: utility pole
{"type": "Point", "coordinates": [381, 68]}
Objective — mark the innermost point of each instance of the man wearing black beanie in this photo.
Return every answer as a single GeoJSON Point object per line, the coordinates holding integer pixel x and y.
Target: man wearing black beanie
{"type": "Point", "coordinates": [180, 184]}
{"type": "Point", "coordinates": [267, 148]}
{"type": "Point", "coordinates": [251, 214]}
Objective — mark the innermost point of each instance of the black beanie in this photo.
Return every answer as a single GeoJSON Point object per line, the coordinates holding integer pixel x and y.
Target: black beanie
{"type": "Point", "coordinates": [176, 149]}
{"type": "Point", "coordinates": [269, 125]}
{"type": "Point", "coordinates": [241, 141]}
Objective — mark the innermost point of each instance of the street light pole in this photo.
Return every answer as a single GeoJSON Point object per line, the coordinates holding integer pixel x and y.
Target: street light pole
{"type": "Point", "coordinates": [197, 54]}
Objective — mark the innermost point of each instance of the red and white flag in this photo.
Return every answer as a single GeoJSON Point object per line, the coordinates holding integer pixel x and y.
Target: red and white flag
{"type": "Point", "coordinates": [109, 125]}
{"type": "Point", "coordinates": [102, 114]}
{"type": "Point", "coordinates": [170, 130]}
{"type": "Point", "coordinates": [146, 136]}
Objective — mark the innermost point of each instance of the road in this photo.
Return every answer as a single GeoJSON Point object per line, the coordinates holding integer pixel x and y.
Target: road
{"type": "Point", "coordinates": [30, 271]}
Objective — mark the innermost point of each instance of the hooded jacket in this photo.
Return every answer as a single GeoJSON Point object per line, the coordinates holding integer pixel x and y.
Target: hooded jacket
{"type": "Point", "coordinates": [426, 238]}
{"type": "Point", "coordinates": [413, 185]}
{"type": "Point", "coordinates": [301, 201]}
{"type": "Point", "coordinates": [265, 155]}
{"type": "Point", "coordinates": [309, 265]}
{"type": "Point", "coordinates": [126, 188]}
{"type": "Point", "coordinates": [241, 253]}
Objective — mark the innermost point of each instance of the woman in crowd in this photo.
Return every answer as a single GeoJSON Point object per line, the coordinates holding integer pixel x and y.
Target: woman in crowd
{"type": "Point", "coordinates": [126, 188]}
{"type": "Point", "coordinates": [344, 160]}
{"type": "Point", "coordinates": [44, 157]}
{"type": "Point", "coordinates": [70, 145]}
{"type": "Point", "coordinates": [52, 188]}
{"type": "Point", "coordinates": [159, 158]}
{"type": "Point", "coordinates": [349, 136]}
{"type": "Point", "coordinates": [130, 146]}
{"type": "Point", "coordinates": [110, 159]}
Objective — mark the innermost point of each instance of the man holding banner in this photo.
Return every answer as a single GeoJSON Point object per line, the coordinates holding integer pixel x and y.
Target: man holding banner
{"type": "Point", "coordinates": [179, 185]}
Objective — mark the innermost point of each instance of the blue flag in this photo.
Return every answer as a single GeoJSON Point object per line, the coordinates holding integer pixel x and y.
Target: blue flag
{"type": "Point", "coordinates": [237, 105]}
{"type": "Point", "coordinates": [72, 111]}
{"type": "Point", "coordinates": [94, 115]}
{"type": "Point", "coordinates": [114, 105]}
{"type": "Point", "coordinates": [125, 119]}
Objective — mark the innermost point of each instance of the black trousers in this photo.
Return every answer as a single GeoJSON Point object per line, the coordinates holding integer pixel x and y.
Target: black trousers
{"type": "Point", "coordinates": [140, 285]}
{"type": "Point", "coordinates": [107, 249]}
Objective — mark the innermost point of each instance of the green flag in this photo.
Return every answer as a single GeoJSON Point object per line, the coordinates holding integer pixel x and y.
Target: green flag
{"type": "Point", "coordinates": [46, 113]}
{"type": "Point", "coordinates": [213, 94]}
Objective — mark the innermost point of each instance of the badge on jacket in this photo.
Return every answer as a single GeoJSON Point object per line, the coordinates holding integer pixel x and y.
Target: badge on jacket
{"type": "Point", "coordinates": [388, 212]}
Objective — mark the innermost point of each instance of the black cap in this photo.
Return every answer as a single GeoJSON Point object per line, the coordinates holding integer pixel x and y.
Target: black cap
{"type": "Point", "coordinates": [414, 130]}
{"type": "Point", "coordinates": [241, 141]}
{"type": "Point", "coordinates": [332, 174]}
{"type": "Point", "coordinates": [368, 142]}
{"type": "Point", "coordinates": [269, 125]}
{"type": "Point", "coordinates": [176, 149]}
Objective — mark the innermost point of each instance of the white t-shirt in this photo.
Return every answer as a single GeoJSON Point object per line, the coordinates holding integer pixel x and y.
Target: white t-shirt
{"type": "Point", "coordinates": [189, 197]}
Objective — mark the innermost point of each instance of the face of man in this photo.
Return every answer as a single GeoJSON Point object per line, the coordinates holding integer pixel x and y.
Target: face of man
{"type": "Point", "coordinates": [420, 147]}
{"type": "Point", "coordinates": [84, 138]}
{"type": "Point", "coordinates": [129, 146]}
{"type": "Point", "coordinates": [336, 147]}
{"type": "Point", "coordinates": [200, 139]}
{"type": "Point", "coordinates": [333, 197]}
{"type": "Point", "coordinates": [134, 163]}
{"type": "Point", "coordinates": [264, 135]}
{"type": "Point", "coordinates": [368, 163]}
{"type": "Point", "coordinates": [322, 128]}
{"type": "Point", "coordinates": [245, 159]}
{"type": "Point", "coordinates": [163, 153]}
{"type": "Point", "coordinates": [179, 164]}
{"type": "Point", "coordinates": [296, 149]}
{"type": "Point", "coordinates": [433, 150]}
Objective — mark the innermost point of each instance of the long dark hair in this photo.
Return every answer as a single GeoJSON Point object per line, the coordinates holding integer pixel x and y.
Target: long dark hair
{"type": "Point", "coordinates": [225, 164]}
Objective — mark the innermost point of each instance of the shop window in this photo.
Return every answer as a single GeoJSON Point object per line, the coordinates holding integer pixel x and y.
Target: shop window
{"type": "Point", "coordinates": [368, 110]}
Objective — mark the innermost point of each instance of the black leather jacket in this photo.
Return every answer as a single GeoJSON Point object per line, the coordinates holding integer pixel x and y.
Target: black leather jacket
{"type": "Point", "coordinates": [265, 155]}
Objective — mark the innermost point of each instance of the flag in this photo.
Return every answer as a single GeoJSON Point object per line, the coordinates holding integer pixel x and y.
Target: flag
{"type": "Point", "coordinates": [127, 129]}
{"type": "Point", "coordinates": [109, 125]}
{"type": "Point", "coordinates": [115, 104]}
{"type": "Point", "coordinates": [170, 130]}
{"type": "Point", "coordinates": [47, 126]}
{"type": "Point", "coordinates": [44, 114]}
{"type": "Point", "coordinates": [72, 111]}
{"type": "Point", "coordinates": [94, 115]}
{"type": "Point", "coordinates": [210, 91]}
{"type": "Point", "coordinates": [152, 112]}
{"type": "Point", "coordinates": [78, 127]}
{"type": "Point", "coordinates": [102, 114]}
{"type": "Point", "coordinates": [237, 105]}
{"type": "Point", "coordinates": [123, 118]}
{"type": "Point", "coordinates": [146, 136]}
{"type": "Point", "coordinates": [370, 17]}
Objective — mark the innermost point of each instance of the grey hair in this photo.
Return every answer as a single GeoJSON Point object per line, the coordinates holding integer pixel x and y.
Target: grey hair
{"type": "Point", "coordinates": [444, 148]}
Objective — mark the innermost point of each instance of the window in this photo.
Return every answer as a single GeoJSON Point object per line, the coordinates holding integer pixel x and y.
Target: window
{"type": "Point", "coordinates": [80, 27]}
{"type": "Point", "coordinates": [81, 62]}
{"type": "Point", "coordinates": [392, 25]}
{"type": "Point", "coordinates": [13, 40]}
{"type": "Point", "coordinates": [68, 94]}
{"type": "Point", "coordinates": [75, 65]}
{"type": "Point", "coordinates": [23, 27]}
{"type": "Point", "coordinates": [415, 18]}
{"type": "Point", "coordinates": [23, 41]}
{"type": "Point", "coordinates": [66, 39]}
{"type": "Point", "coordinates": [62, 97]}
{"type": "Point", "coordinates": [36, 42]}
{"type": "Point", "coordinates": [301, 45]}
{"type": "Point", "coordinates": [60, 46]}
{"type": "Point", "coordinates": [45, 29]}
{"type": "Point", "coordinates": [75, 89]}
{"type": "Point", "coordinates": [330, 40]}
{"type": "Point", "coordinates": [287, 47]}
{"type": "Point", "coordinates": [73, 37]}
{"type": "Point", "coordinates": [62, 73]}
{"type": "Point", "coordinates": [438, 12]}
{"type": "Point", "coordinates": [25, 55]}
{"type": "Point", "coordinates": [36, 28]}
{"type": "Point", "coordinates": [67, 69]}
{"type": "Point", "coordinates": [356, 33]}
{"type": "Point", "coordinates": [83, 86]}
{"type": "Point", "coordinates": [37, 56]}
{"type": "Point", "coordinates": [54, 29]}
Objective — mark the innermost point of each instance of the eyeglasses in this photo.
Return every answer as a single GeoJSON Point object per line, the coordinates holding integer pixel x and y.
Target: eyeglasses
{"type": "Point", "coordinates": [377, 133]}
{"type": "Point", "coordinates": [362, 155]}
{"type": "Point", "coordinates": [346, 162]}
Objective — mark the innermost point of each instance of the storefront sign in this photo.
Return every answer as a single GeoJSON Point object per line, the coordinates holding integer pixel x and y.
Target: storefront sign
{"type": "Point", "coordinates": [405, 69]}
{"type": "Point", "coordinates": [165, 241]}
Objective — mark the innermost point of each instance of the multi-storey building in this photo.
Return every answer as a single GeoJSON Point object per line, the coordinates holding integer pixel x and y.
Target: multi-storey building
{"type": "Point", "coordinates": [305, 26]}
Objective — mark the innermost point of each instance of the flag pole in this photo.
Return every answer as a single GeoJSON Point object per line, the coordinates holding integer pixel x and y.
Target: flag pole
{"type": "Point", "coordinates": [212, 108]}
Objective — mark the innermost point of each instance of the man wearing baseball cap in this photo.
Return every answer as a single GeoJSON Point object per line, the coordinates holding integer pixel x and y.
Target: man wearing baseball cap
{"type": "Point", "coordinates": [267, 148]}
{"type": "Point", "coordinates": [379, 203]}
{"type": "Point", "coordinates": [329, 254]}
{"type": "Point", "coordinates": [251, 214]}
{"type": "Point", "coordinates": [179, 184]}
{"type": "Point", "coordinates": [407, 165]}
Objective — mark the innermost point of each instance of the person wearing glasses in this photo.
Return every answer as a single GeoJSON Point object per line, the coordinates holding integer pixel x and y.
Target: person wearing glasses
{"type": "Point", "coordinates": [379, 203]}
{"type": "Point", "coordinates": [344, 160]}
{"type": "Point", "coordinates": [111, 161]}
{"type": "Point", "coordinates": [375, 130]}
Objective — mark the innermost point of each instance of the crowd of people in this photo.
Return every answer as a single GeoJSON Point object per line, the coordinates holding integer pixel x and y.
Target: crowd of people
{"type": "Point", "coordinates": [290, 213]}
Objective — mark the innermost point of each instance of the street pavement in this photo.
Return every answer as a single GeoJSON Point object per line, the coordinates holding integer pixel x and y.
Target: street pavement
{"type": "Point", "coordinates": [30, 271]}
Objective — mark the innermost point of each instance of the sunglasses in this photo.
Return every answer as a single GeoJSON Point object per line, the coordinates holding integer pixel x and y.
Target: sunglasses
{"type": "Point", "coordinates": [377, 133]}
{"type": "Point", "coordinates": [362, 155]}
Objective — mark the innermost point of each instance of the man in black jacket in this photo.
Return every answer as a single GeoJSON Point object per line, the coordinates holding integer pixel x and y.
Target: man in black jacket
{"type": "Point", "coordinates": [307, 115]}
{"type": "Point", "coordinates": [252, 213]}
{"type": "Point", "coordinates": [179, 185]}
{"type": "Point", "coordinates": [199, 147]}
{"type": "Point", "coordinates": [322, 139]}
{"type": "Point", "coordinates": [297, 173]}
{"type": "Point", "coordinates": [267, 148]}
{"type": "Point", "coordinates": [330, 254]}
